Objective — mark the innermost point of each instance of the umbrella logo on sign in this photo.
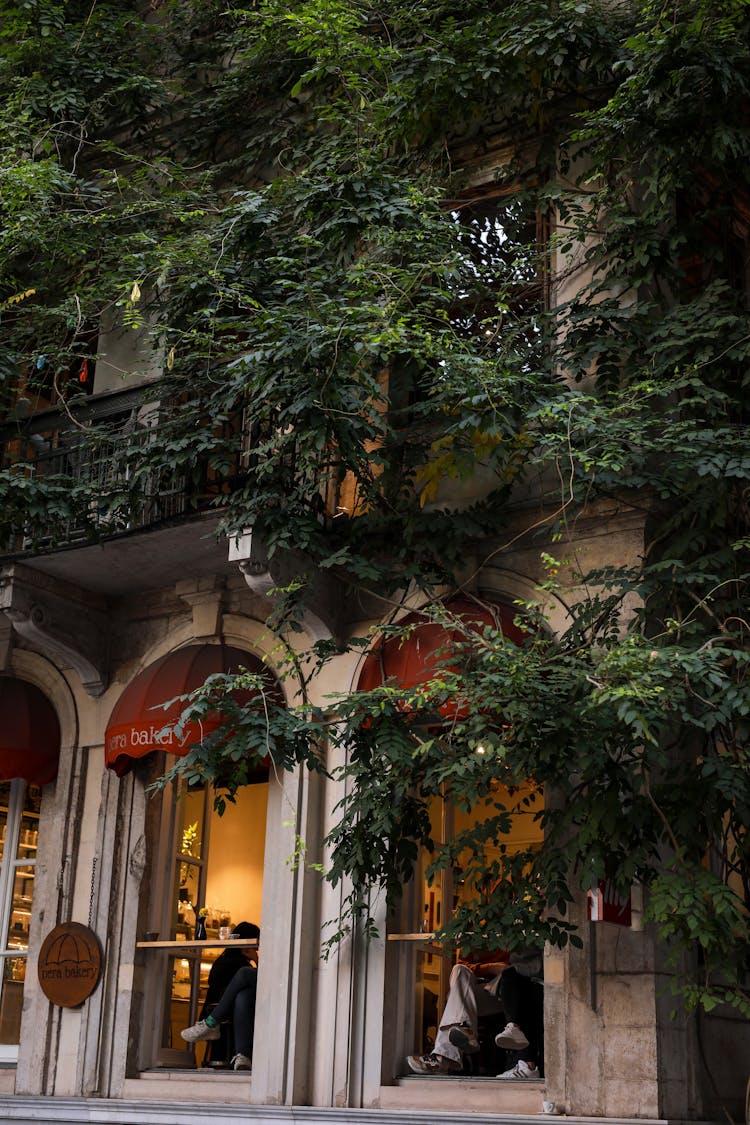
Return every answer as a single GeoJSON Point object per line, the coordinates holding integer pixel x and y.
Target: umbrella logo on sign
{"type": "Point", "coordinates": [70, 963]}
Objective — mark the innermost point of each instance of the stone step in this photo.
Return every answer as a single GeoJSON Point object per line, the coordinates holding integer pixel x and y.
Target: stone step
{"type": "Point", "coordinates": [467, 1095]}
{"type": "Point", "coordinates": [221, 1086]}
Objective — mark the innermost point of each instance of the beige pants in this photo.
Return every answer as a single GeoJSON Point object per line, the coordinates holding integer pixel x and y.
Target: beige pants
{"type": "Point", "coordinates": [468, 999]}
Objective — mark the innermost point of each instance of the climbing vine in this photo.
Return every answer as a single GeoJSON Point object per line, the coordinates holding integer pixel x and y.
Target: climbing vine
{"type": "Point", "coordinates": [380, 246]}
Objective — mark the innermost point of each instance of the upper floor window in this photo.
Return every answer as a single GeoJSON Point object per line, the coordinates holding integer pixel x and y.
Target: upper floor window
{"type": "Point", "coordinates": [505, 276]}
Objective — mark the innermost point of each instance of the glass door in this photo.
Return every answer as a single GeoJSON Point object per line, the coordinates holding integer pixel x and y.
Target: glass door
{"type": "Point", "coordinates": [187, 896]}
{"type": "Point", "coordinates": [434, 900]}
{"type": "Point", "coordinates": [216, 864]}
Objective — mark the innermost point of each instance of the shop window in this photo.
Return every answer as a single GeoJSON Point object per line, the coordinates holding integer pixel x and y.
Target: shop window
{"type": "Point", "coordinates": [19, 831]}
{"type": "Point", "coordinates": [213, 864]}
{"type": "Point", "coordinates": [438, 897]}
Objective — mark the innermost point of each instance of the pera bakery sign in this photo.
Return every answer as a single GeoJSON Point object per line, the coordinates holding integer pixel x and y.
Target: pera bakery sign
{"type": "Point", "coordinates": [70, 964]}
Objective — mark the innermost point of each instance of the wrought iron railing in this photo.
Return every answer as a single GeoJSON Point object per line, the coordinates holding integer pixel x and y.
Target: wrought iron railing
{"type": "Point", "coordinates": [100, 449]}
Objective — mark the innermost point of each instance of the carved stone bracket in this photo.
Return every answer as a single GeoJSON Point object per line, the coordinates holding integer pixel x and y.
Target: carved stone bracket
{"type": "Point", "coordinates": [60, 620]}
{"type": "Point", "coordinates": [323, 612]}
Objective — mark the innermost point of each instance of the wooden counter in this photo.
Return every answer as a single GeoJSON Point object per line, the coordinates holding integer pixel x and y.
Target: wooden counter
{"type": "Point", "coordinates": [208, 943]}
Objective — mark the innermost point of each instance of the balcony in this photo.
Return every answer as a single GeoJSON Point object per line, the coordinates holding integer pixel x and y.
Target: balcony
{"type": "Point", "coordinates": [127, 527]}
{"type": "Point", "coordinates": [97, 448]}
{"type": "Point", "coordinates": [122, 527]}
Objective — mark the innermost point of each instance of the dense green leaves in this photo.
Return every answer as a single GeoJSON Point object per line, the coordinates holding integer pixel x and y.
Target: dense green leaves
{"type": "Point", "coordinates": [291, 200]}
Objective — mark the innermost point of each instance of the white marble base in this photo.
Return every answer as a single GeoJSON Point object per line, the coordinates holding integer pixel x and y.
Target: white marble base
{"type": "Point", "coordinates": [103, 1111]}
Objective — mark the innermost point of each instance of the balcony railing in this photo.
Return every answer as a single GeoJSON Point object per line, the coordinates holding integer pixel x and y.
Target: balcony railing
{"type": "Point", "coordinates": [98, 449]}
{"type": "Point", "coordinates": [107, 469]}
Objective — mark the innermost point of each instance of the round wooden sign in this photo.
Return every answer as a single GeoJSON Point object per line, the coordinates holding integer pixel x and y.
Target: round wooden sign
{"type": "Point", "coordinates": [70, 964]}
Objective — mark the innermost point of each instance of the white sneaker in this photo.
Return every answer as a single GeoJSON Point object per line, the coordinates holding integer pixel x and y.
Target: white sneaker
{"type": "Point", "coordinates": [242, 1062]}
{"type": "Point", "coordinates": [433, 1064]}
{"type": "Point", "coordinates": [200, 1031]}
{"type": "Point", "coordinates": [511, 1037]}
{"type": "Point", "coordinates": [521, 1070]}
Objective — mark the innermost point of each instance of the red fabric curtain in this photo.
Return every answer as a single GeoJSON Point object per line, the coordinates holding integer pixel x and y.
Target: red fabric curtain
{"type": "Point", "coordinates": [29, 733]}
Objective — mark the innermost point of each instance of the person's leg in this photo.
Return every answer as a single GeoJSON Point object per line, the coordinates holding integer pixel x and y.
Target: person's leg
{"type": "Point", "coordinates": [242, 980]}
{"type": "Point", "coordinates": [518, 997]}
{"type": "Point", "coordinates": [243, 1018]}
{"type": "Point", "coordinates": [467, 1001]}
{"type": "Point", "coordinates": [512, 994]}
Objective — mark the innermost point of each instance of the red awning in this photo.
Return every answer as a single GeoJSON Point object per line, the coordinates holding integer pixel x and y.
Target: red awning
{"type": "Point", "coordinates": [414, 661]}
{"type": "Point", "coordinates": [138, 720]}
{"type": "Point", "coordinates": [29, 733]}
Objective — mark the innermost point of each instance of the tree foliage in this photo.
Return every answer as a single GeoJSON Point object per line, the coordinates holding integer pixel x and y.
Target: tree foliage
{"type": "Point", "coordinates": [292, 198]}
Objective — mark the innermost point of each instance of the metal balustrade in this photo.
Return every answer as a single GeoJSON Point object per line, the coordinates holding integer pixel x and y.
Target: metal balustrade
{"type": "Point", "coordinates": [99, 447]}
{"type": "Point", "coordinates": [110, 466]}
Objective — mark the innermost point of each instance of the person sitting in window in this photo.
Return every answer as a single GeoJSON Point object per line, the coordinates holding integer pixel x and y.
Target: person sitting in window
{"type": "Point", "coordinates": [511, 988]}
{"type": "Point", "coordinates": [231, 993]}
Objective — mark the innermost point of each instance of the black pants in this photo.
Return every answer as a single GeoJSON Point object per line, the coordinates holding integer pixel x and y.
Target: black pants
{"type": "Point", "coordinates": [523, 1003]}
{"type": "Point", "coordinates": [238, 1004]}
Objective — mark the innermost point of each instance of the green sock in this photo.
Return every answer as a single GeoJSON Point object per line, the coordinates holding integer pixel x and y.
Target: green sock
{"type": "Point", "coordinates": [210, 1021]}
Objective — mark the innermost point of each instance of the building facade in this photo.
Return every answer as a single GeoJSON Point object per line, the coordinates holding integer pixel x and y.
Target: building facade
{"type": "Point", "coordinates": [88, 632]}
{"type": "Point", "coordinates": [95, 637]}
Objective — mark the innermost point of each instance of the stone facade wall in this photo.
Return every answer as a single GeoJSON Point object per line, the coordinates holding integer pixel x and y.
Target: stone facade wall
{"type": "Point", "coordinates": [611, 1048]}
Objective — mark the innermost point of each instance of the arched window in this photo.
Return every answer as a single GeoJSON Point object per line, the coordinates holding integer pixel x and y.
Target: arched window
{"type": "Point", "coordinates": [428, 904]}
{"type": "Point", "coordinates": [203, 861]}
